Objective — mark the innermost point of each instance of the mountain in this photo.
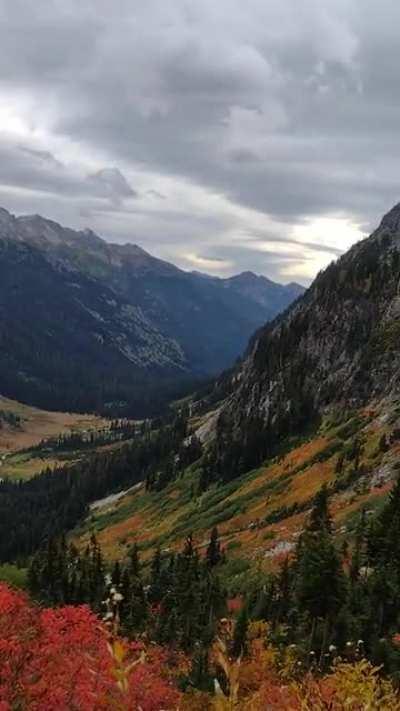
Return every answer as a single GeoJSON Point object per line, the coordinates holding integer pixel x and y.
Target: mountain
{"type": "Point", "coordinates": [254, 296]}
{"type": "Point", "coordinates": [316, 400]}
{"type": "Point", "coordinates": [89, 325]}
{"type": "Point", "coordinates": [336, 345]}
{"type": "Point", "coordinates": [263, 291]}
{"type": "Point", "coordinates": [70, 343]}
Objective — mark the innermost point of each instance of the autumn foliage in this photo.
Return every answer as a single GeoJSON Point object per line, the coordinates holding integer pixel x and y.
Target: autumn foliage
{"type": "Point", "coordinates": [267, 679]}
{"type": "Point", "coordinates": [61, 659]}
{"type": "Point", "coordinates": [65, 659]}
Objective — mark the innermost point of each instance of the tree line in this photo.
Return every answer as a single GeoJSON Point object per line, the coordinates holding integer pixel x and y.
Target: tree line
{"type": "Point", "coordinates": [35, 511]}
{"type": "Point", "coordinates": [329, 600]}
{"type": "Point", "coordinates": [176, 600]}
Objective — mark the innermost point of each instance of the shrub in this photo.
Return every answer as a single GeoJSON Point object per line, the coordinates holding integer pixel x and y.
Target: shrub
{"type": "Point", "coordinates": [62, 659]}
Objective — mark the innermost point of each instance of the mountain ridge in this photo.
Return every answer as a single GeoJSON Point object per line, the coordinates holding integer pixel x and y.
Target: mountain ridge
{"type": "Point", "coordinates": [335, 344]}
{"type": "Point", "coordinates": [41, 231]}
{"type": "Point", "coordinates": [129, 310]}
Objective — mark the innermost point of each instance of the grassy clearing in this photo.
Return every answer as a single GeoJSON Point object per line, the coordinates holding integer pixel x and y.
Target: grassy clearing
{"type": "Point", "coordinates": [23, 427]}
{"type": "Point", "coordinates": [36, 424]}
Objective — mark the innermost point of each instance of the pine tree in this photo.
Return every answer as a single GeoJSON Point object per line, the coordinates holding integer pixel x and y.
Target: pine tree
{"type": "Point", "coordinates": [240, 633]}
{"type": "Point", "coordinates": [320, 584]}
{"type": "Point", "coordinates": [213, 553]}
{"type": "Point", "coordinates": [116, 574]}
{"type": "Point", "coordinates": [383, 549]}
{"type": "Point", "coordinates": [134, 562]}
{"type": "Point", "coordinates": [358, 557]}
{"type": "Point", "coordinates": [155, 591]}
{"type": "Point", "coordinates": [320, 518]}
{"type": "Point", "coordinates": [284, 590]}
{"type": "Point", "coordinates": [189, 546]}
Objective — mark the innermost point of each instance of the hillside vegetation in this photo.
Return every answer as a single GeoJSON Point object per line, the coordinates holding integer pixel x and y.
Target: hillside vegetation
{"type": "Point", "coordinates": [260, 514]}
{"type": "Point", "coordinates": [255, 528]}
{"type": "Point", "coordinates": [66, 658]}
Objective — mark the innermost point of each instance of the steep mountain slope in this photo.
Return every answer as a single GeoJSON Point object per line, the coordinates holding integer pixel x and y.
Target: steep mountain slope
{"type": "Point", "coordinates": [70, 343]}
{"type": "Point", "coordinates": [111, 320]}
{"type": "Point", "coordinates": [339, 343]}
{"type": "Point", "coordinates": [261, 513]}
{"type": "Point", "coordinates": [211, 323]}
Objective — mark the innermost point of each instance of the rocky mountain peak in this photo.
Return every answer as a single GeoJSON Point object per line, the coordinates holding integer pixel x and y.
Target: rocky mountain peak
{"type": "Point", "coordinates": [247, 276]}
{"type": "Point", "coordinates": [391, 221]}
{"type": "Point", "coordinates": [6, 223]}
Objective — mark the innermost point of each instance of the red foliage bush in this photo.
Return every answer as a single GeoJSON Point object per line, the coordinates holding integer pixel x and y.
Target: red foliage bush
{"type": "Point", "coordinates": [59, 659]}
{"type": "Point", "coordinates": [234, 605]}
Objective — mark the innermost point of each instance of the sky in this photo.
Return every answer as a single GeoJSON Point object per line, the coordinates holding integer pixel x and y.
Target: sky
{"type": "Point", "coordinates": [220, 135]}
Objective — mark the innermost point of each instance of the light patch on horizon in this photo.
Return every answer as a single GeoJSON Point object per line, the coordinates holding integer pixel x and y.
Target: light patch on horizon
{"type": "Point", "coordinates": [217, 267]}
{"type": "Point", "coordinates": [329, 232]}
{"type": "Point", "coordinates": [336, 232]}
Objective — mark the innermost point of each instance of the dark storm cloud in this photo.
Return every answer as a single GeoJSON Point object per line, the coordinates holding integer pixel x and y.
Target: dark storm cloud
{"type": "Point", "coordinates": [287, 110]}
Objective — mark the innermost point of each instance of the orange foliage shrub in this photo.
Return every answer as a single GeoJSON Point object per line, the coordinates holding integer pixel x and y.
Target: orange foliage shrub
{"type": "Point", "coordinates": [264, 679]}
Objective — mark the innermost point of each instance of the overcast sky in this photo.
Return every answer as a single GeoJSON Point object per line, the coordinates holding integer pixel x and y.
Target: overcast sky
{"type": "Point", "coordinates": [223, 135]}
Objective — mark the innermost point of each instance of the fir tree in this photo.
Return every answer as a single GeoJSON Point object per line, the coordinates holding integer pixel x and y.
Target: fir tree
{"type": "Point", "coordinates": [240, 633]}
{"type": "Point", "coordinates": [213, 553]}
{"type": "Point", "coordinates": [155, 591]}
{"type": "Point", "coordinates": [320, 584]}
{"type": "Point", "coordinates": [134, 563]}
{"type": "Point", "coordinates": [320, 518]}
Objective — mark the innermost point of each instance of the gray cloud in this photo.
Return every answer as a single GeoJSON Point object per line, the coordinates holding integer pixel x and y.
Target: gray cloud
{"type": "Point", "coordinates": [42, 156]}
{"type": "Point", "coordinates": [237, 113]}
{"type": "Point", "coordinates": [112, 184]}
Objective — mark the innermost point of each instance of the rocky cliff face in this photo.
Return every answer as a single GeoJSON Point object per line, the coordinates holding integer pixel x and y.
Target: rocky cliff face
{"type": "Point", "coordinates": [339, 343]}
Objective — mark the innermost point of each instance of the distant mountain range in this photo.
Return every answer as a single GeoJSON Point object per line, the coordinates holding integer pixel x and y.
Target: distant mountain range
{"type": "Point", "coordinates": [90, 325]}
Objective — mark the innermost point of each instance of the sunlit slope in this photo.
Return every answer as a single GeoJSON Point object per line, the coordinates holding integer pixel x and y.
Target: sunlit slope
{"type": "Point", "coordinates": [23, 427]}
{"type": "Point", "coordinates": [260, 515]}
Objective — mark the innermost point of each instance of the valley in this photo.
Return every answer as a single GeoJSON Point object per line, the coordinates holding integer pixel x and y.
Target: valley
{"type": "Point", "coordinates": [269, 496]}
{"type": "Point", "coordinates": [199, 356]}
{"type": "Point", "coordinates": [32, 439]}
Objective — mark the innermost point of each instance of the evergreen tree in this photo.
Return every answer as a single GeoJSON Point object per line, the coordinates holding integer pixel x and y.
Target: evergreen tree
{"type": "Point", "coordinates": [383, 550]}
{"type": "Point", "coordinates": [359, 553]}
{"type": "Point", "coordinates": [134, 565]}
{"type": "Point", "coordinates": [320, 584]}
{"type": "Point", "coordinates": [320, 518]}
{"type": "Point", "coordinates": [213, 553]}
{"type": "Point", "coordinates": [155, 591]}
{"type": "Point", "coordinates": [240, 633]}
